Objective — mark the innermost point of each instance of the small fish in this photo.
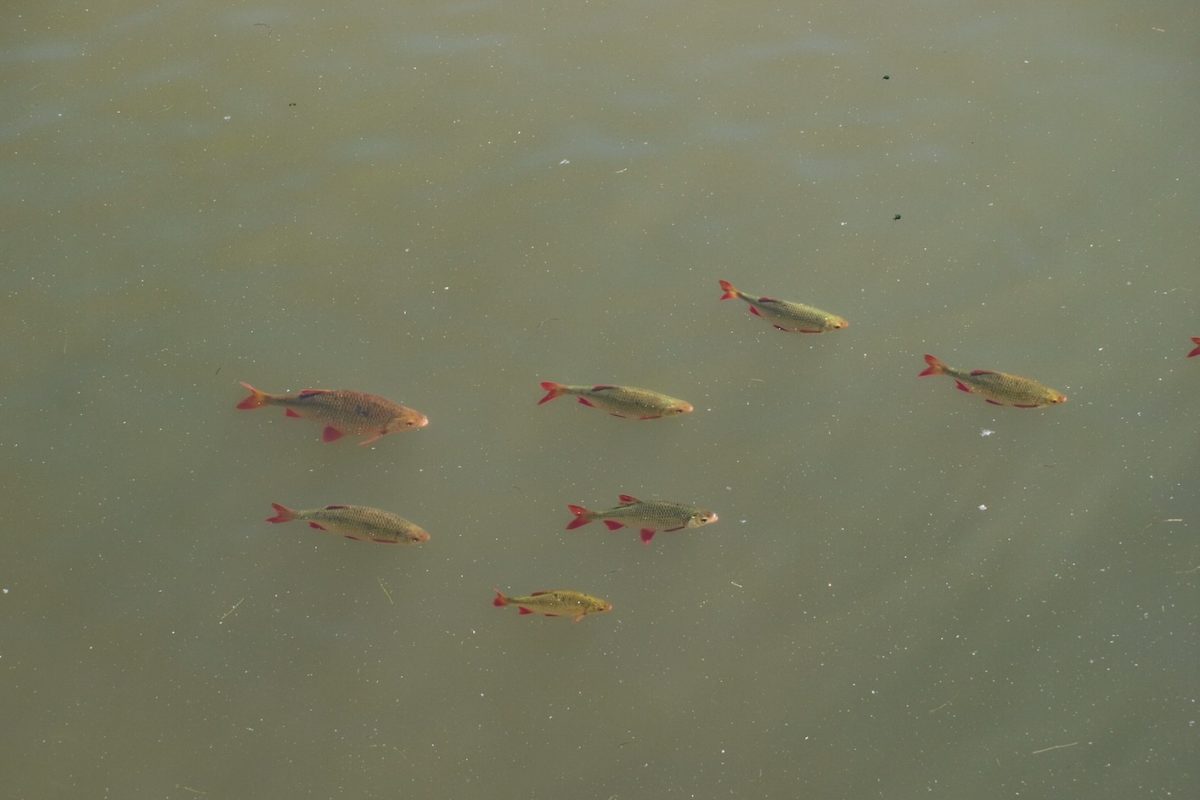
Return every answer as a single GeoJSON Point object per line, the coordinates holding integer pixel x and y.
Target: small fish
{"type": "Point", "coordinates": [789, 317]}
{"type": "Point", "coordinates": [627, 402]}
{"type": "Point", "coordinates": [648, 517]}
{"type": "Point", "coordinates": [361, 523]}
{"type": "Point", "coordinates": [1195, 352]}
{"type": "Point", "coordinates": [342, 411]}
{"type": "Point", "coordinates": [555, 603]}
{"type": "Point", "coordinates": [998, 388]}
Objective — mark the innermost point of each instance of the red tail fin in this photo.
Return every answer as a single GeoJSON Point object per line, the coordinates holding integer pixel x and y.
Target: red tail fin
{"type": "Point", "coordinates": [256, 399]}
{"type": "Point", "coordinates": [730, 292]}
{"type": "Point", "coordinates": [936, 367]}
{"type": "Point", "coordinates": [553, 390]}
{"type": "Point", "coordinates": [500, 599]}
{"type": "Point", "coordinates": [582, 517]}
{"type": "Point", "coordinates": [282, 514]}
{"type": "Point", "coordinates": [1195, 352]}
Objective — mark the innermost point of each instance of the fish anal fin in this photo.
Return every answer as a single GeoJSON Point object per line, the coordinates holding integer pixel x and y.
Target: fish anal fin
{"type": "Point", "coordinates": [962, 387]}
{"type": "Point", "coordinates": [331, 434]}
{"type": "Point", "coordinates": [522, 610]}
{"type": "Point", "coordinates": [755, 311]}
{"type": "Point", "coordinates": [291, 413]}
{"type": "Point", "coordinates": [613, 524]}
{"type": "Point", "coordinates": [316, 525]}
{"type": "Point", "coordinates": [586, 402]}
{"type": "Point", "coordinates": [647, 535]}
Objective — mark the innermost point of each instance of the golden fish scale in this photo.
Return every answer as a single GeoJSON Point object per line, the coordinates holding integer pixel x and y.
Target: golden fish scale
{"type": "Point", "coordinates": [656, 514]}
{"type": "Point", "coordinates": [627, 398]}
{"type": "Point", "coordinates": [559, 601]}
{"type": "Point", "coordinates": [347, 410]}
{"type": "Point", "coordinates": [794, 312]}
{"type": "Point", "coordinates": [364, 521]}
{"type": "Point", "coordinates": [1008, 388]}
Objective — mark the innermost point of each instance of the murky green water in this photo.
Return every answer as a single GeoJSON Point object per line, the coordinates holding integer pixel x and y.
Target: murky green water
{"type": "Point", "coordinates": [910, 593]}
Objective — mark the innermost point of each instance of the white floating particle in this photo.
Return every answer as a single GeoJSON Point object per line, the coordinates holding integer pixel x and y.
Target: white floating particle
{"type": "Point", "coordinates": [564, 162]}
{"type": "Point", "coordinates": [985, 432]}
{"type": "Point", "coordinates": [982, 507]}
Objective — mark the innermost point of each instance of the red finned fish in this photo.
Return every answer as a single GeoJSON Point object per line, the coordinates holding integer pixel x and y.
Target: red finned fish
{"type": "Point", "coordinates": [555, 603]}
{"type": "Point", "coordinates": [998, 388]}
{"type": "Point", "coordinates": [786, 316]}
{"type": "Point", "coordinates": [361, 523]}
{"type": "Point", "coordinates": [1196, 352]}
{"type": "Point", "coordinates": [648, 517]}
{"type": "Point", "coordinates": [628, 402]}
{"type": "Point", "coordinates": [342, 411]}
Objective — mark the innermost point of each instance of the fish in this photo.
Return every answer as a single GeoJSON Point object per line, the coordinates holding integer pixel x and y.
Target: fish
{"type": "Point", "coordinates": [555, 603]}
{"type": "Point", "coordinates": [998, 388]}
{"type": "Point", "coordinates": [788, 317]}
{"type": "Point", "coordinates": [649, 517]}
{"type": "Point", "coordinates": [361, 523]}
{"type": "Point", "coordinates": [342, 411]}
{"type": "Point", "coordinates": [1196, 351]}
{"type": "Point", "coordinates": [627, 402]}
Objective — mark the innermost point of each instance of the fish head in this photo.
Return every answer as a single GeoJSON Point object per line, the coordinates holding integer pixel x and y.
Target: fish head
{"type": "Point", "coordinates": [416, 535]}
{"type": "Point", "coordinates": [1057, 398]}
{"type": "Point", "coordinates": [836, 323]}
{"type": "Point", "coordinates": [410, 420]}
{"type": "Point", "coordinates": [701, 517]}
{"type": "Point", "coordinates": [682, 407]}
{"type": "Point", "coordinates": [600, 606]}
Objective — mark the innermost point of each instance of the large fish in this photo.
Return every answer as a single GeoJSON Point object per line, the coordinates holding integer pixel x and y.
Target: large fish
{"type": "Point", "coordinates": [342, 411]}
{"type": "Point", "coordinates": [649, 517]}
{"type": "Point", "coordinates": [1196, 352]}
{"type": "Point", "coordinates": [789, 317]}
{"type": "Point", "coordinates": [620, 401]}
{"type": "Point", "coordinates": [998, 388]}
{"type": "Point", "coordinates": [362, 523]}
{"type": "Point", "coordinates": [555, 603]}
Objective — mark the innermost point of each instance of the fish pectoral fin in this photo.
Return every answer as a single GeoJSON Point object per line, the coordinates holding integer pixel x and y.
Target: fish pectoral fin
{"type": "Point", "coordinates": [370, 439]}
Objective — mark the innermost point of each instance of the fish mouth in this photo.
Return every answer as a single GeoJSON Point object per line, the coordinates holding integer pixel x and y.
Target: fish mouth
{"type": "Point", "coordinates": [421, 537]}
{"type": "Point", "coordinates": [684, 408]}
{"type": "Point", "coordinates": [421, 421]}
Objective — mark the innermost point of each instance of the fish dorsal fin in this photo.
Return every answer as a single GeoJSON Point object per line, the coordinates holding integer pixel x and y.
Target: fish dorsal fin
{"type": "Point", "coordinates": [311, 392]}
{"type": "Point", "coordinates": [983, 372]}
{"type": "Point", "coordinates": [769, 300]}
{"type": "Point", "coordinates": [544, 591]}
{"type": "Point", "coordinates": [334, 508]}
{"type": "Point", "coordinates": [600, 387]}
{"type": "Point", "coordinates": [628, 500]}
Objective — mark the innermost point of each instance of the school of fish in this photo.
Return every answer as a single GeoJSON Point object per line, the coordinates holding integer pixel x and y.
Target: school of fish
{"type": "Point", "coordinates": [346, 412]}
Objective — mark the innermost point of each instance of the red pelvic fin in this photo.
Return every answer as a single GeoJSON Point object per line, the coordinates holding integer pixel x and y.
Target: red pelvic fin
{"type": "Point", "coordinates": [523, 610]}
{"type": "Point", "coordinates": [315, 525]}
{"type": "Point", "coordinates": [257, 399]}
{"type": "Point", "coordinates": [936, 367]}
{"type": "Point", "coordinates": [499, 599]}
{"type": "Point", "coordinates": [291, 413]}
{"type": "Point", "coordinates": [647, 535]}
{"type": "Point", "coordinates": [331, 434]}
{"type": "Point", "coordinates": [1196, 352]}
{"type": "Point", "coordinates": [628, 499]}
{"type": "Point", "coordinates": [613, 525]}
{"type": "Point", "coordinates": [282, 514]}
{"type": "Point", "coordinates": [730, 292]}
{"type": "Point", "coordinates": [582, 517]}
{"type": "Point", "coordinates": [962, 387]}
{"type": "Point", "coordinates": [553, 390]}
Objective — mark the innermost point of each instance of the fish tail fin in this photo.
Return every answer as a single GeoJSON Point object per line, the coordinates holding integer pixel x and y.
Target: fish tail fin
{"type": "Point", "coordinates": [1196, 352]}
{"type": "Point", "coordinates": [936, 367]}
{"type": "Point", "coordinates": [553, 390]}
{"type": "Point", "coordinates": [499, 599]}
{"type": "Point", "coordinates": [282, 514]}
{"type": "Point", "coordinates": [730, 292]}
{"type": "Point", "coordinates": [582, 517]}
{"type": "Point", "coordinates": [257, 398]}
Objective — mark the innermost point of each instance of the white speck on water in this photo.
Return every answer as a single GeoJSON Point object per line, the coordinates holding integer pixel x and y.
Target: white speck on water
{"type": "Point", "coordinates": [228, 117]}
{"type": "Point", "coordinates": [982, 507]}
{"type": "Point", "coordinates": [985, 432]}
{"type": "Point", "coordinates": [564, 162]}
{"type": "Point", "coordinates": [5, 590]}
